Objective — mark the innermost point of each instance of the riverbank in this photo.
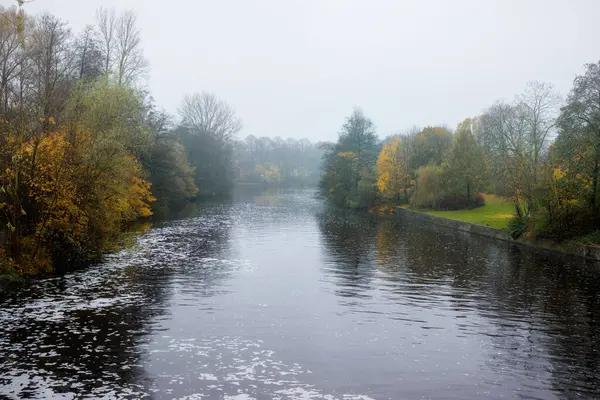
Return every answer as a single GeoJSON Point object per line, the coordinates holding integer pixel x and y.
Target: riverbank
{"type": "Point", "coordinates": [576, 249]}
{"type": "Point", "coordinates": [492, 220]}
{"type": "Point", "coordinates": [496, 213]}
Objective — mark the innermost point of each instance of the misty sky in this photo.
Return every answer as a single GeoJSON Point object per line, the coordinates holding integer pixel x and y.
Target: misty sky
{"type": "Point", "coordinates": [297, 68]}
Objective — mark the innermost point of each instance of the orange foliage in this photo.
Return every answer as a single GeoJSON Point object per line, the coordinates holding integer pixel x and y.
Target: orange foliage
{"type": "Point", "coordinates": [50, 175]}
{"type": "Point", "coordinates": [70, 192]}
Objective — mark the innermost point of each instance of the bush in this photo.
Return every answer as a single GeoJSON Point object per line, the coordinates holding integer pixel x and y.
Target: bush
{"type": "Point", "coordinates": [560, 209]}
{"type": "Point", "coordinates": [458, 202]}
{"type": "Point", "coordinates": [562, 223]}
{"type": "Point", "coordinates": [517, 226]}
{"type": "Point", "coordinates": [479, 201]}
{"type": "Point", "coordinates": [367, 194]}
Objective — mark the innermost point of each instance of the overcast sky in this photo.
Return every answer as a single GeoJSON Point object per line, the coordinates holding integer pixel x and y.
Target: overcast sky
{"type": "Point", "coordinates": [297, 68]}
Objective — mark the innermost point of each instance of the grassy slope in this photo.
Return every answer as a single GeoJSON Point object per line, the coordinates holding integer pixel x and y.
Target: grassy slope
{"type": "Point", "coordinates": [496, 213]}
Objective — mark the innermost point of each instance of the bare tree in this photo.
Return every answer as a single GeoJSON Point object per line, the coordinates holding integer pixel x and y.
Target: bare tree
{"type": "Point", "coordinates": [206, 113]}
{"type": "Point", "coordinates": [106, 23]}
{"type": "Point", "coordinates": [540, 105]}
{"type": "Point", "coordinates": [52, 59]}
{"type": "Point", "coordinates": [130, 63]}
{"type": "Point", "coordinates": [499, 131]}
{"type": "Point", "coordinates": [88, 55]}
{"type": "Point", "coordinates": [516, 136]}
{"type": "Point", "coordinates": [503, 132]}
{"type": "Point", "coordinates": [12, 56]}
{"type": "Point", "coordinates": [250, 143]}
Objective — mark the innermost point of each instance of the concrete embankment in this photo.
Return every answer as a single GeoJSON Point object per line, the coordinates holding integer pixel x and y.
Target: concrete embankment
{"type": "Point", "coordinates": [588, 252]}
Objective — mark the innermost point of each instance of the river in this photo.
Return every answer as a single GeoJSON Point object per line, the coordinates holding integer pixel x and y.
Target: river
{"type": "Point", "coordinates": [274, 296]}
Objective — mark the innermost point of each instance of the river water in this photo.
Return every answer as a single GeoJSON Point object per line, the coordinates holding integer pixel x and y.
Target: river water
{"type": "Point", "coordinates": [273, 296]}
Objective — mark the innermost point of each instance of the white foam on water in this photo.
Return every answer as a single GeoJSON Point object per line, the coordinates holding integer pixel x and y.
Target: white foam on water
{"type": "Point", "coordinates": [239, 397]}
{"type": "Point", "coordinates": [224, 367]}
{"type": "Point", "coordinates": [207, 377]}
{"type": "Point", "coordinates": [196, 396]}
{"type": "Point", "coordinates": [21, 380]}
{"type": "Point", "coordinates": [236, 369]}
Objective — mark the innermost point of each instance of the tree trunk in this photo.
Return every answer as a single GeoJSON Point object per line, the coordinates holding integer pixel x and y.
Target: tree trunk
{"type": "Point", "coordinates": [468, 194]}
{"type": "Point", "coordinates": [594, 190]}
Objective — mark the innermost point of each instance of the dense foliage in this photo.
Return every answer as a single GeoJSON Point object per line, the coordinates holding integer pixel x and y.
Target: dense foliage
{"type": "Point", "coordinates": [540, 154]}
{"type": "Point", "coordinates": [428, 168]}
{"type": "Point", "coordinates": [84, 151]}
{"type": "Point", "coordinates": [349, 177]}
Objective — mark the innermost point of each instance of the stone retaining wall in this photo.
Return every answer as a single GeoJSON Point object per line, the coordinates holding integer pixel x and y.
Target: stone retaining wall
{"type": "Point", "coordinates": [502, 234]}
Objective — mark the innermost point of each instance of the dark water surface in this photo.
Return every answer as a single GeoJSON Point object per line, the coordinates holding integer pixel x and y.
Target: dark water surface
{"type": "Point", "coordinates": [272, 296]}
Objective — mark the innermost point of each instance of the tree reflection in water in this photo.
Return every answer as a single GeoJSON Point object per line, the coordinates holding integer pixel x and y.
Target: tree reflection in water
{"type": "Point", "coordinates": [541, 311]}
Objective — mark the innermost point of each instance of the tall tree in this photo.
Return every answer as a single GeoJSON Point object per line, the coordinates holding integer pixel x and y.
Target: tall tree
{"type": "Point", "coordinates": [52, 59]}
{"type": "Point", "coordinates": [540, 104]}
{"type": "Point", "coordinates": [466, 165]}
{"type": "Point", "coordinates": [106, 22]}
{"type": "Point", "coordinates": [207, 131]}
{"type": "Point", "coordinates": [516, 137]}
{"type": "Point", "coordinates": [393, 172]}
{"type": "Point", "coordinates": [580, 121]}
{"type": "Point", "coordinates": [359, 136]}
{"type": "Point", "coordinates": [12, 56]}
{"type": "Point", "coordinates": [88, 54]}
{"type": "Point", "coordinates": [114, 114]}
{"type": "Point", "coordinates": [430, 146]}
{"type": "Point", "coordinates": [130, 62]}
{"type": "Point", "coordinates": [503, 131]}
{"type": "Point", "coordinates": [349, 177]}
{"type": "Point", "coordinates": [206, 113]}
{"type": "Point", "coordinates": [167, 164]}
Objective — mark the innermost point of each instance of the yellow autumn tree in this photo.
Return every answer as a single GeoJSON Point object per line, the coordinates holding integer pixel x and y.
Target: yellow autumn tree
{"type": "Point", "coordinates": [68, 191]}
{"type": "Point", "coordinates": [45, 171]}
{"type": "Point", "coordinates": [78, 196]}
{"type": "Point", "coordinates": [51, 184]}
{"type": "Point", "coordinates": [393, 172]}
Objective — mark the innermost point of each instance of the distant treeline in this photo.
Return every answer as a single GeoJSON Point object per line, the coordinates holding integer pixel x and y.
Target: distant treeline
{"type": "Point", "coordinates": [540, 151]}
{"type": "Point", "coordinates": [84, 149]}
{"type": "Point", "coordinates": [278, 162]}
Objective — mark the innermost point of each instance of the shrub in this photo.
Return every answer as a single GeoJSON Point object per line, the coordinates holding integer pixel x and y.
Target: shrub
{"type": "Point", "coordinates": [562, 223]}
{"type": "Point", "coordinates": [364, 196]}
{"type": "Point", "coordinates": [429, 187]}
{"type": "Point", "coordinates": [458, 202]}
{"type": "Point", "coordinates": [517, 226]}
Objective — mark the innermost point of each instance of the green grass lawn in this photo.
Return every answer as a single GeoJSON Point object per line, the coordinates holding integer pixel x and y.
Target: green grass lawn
{"type": "Point", "coordinates": [496, 213]}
